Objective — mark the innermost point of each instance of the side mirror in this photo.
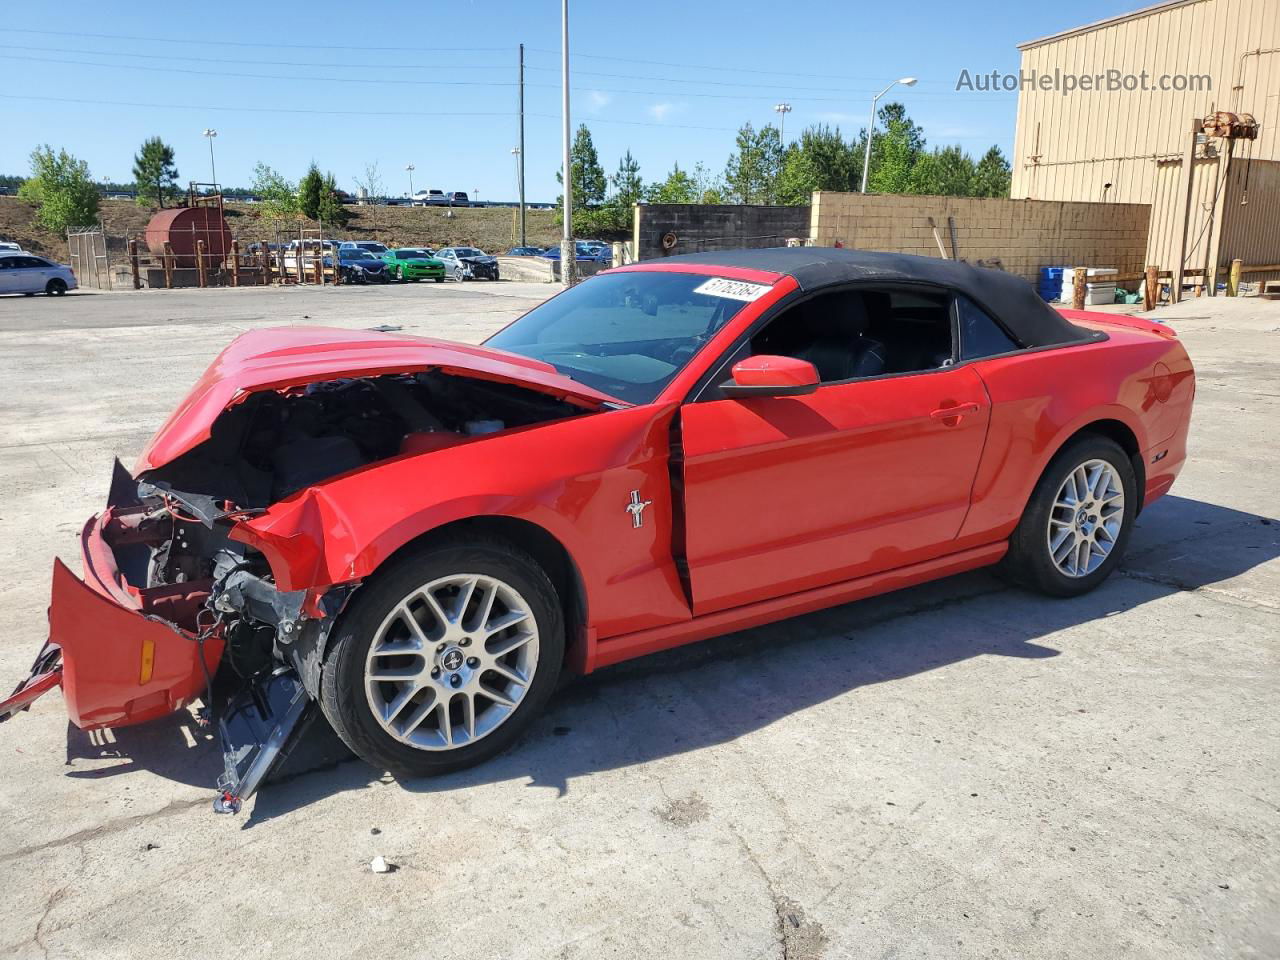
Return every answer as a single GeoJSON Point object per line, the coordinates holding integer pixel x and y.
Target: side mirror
{"type": "Point", "coordinates": [771, 376]}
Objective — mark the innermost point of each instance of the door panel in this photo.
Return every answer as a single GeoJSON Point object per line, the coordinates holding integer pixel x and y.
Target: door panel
{"type": "Point", "coordinates": [787, 493]}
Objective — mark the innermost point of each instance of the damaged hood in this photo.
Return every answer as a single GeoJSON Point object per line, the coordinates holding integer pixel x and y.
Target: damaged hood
{"type": "Point", "coordinates": [280, 357]}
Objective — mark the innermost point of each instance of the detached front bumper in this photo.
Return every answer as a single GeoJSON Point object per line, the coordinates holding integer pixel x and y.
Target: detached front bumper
{"type": "Point", "coordinates": [112, 648]}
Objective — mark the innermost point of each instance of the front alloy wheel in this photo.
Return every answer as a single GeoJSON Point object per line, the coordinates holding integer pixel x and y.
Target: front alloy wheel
{"type": "Point", "coordinates": [451, 663]}
{"type": "Point", "coordinates": [442, 659]}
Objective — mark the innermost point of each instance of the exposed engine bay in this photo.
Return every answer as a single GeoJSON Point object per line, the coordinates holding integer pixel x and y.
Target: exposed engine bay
{"type": "Point", "coordinates": [169, 532]}
{"type": "Point", "coordinates": [275, 443]}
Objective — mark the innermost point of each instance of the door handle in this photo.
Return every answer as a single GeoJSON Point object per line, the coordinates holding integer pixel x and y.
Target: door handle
{"type": "Point", "coordinates": [954, 413]}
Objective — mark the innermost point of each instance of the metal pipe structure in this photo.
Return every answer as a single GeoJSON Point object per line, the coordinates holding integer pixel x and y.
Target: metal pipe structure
{"type": "Point", "coordinates": [871, 125]}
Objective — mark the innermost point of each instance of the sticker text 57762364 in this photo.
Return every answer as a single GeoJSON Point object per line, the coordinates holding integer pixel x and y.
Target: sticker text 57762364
{"type": "Point", "coordinates": [732, 289]}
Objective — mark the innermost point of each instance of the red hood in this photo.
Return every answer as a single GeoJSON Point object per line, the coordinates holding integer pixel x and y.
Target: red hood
{"type": "Point", "coordinates": [291, 356]}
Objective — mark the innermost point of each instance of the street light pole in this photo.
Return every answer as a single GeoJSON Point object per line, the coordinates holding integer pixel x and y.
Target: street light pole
{"type": "Point", "coordinates": [519, 155]}
{"type": "Point", "coordinates": [210, 133]}
{"type": "Point", "coordinates": [410, 167]}
{"type": "Point", "coordinates": [871, 125]}
{"type": "Point", "coordinates": [782, 109]}
{"type": "Point", "coordinates": [568, 258]}
{"type": "Point", "coordinates": [519, 150]}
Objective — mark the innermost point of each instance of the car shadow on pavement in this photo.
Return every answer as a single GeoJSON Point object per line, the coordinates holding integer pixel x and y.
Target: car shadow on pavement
{"type": "Point", "coordinates": [715, 691]}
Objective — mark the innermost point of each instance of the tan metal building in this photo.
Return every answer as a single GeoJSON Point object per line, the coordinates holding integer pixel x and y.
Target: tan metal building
{"type": "Point", "coordinates": [1124, 133]}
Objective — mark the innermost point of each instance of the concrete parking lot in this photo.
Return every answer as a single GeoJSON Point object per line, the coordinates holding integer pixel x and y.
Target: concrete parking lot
{"type": "Point", "coordinates": [958, 770]}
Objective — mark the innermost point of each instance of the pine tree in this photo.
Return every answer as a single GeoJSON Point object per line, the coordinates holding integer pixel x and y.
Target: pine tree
{"type": "Point", "coordinates": [154, 173]}
{"type": "Point", "coordinates": [310, 190]}
{"type": "Point", "coordinates": [994, 176]}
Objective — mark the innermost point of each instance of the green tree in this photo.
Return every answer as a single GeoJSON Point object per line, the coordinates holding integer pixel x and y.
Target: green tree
{"type": "Point", "coordinates": [628, 187]}
{"type": "Point", "coordinates": [751, 175]}
{"type": "Point", "coordinates": [310, 192]}
{"type": "Point", "coordinates": [279, 197]}
{"type": "Point", "coordinates": [154, 173]}
{"type": "Point", "coordinates": [62, 187]}
{"type": "Point", "coordinates": [710, 188]}
{"type": "Point", "coordinates": [898, 144]}
{"type": "Point", "coordinates": [993, 176]}
{"type": "Point", "coordinates": [679, 187]}
{"type": "Point", "coordinates": [589, 182]}
{"type": "Point", "coordinates": [947, 172]}
{"type": "Point", "coordinates": [820, 160]}
{"type": "Point", "coordinates": [330, 208]}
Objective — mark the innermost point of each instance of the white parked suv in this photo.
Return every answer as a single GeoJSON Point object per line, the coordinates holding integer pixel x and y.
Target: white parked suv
{"type": "Point", "coordinates": [28, 273]}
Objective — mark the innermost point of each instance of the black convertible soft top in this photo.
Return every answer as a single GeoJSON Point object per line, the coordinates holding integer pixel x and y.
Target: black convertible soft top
{"type": "Point", "coordinates": [1008, 297]}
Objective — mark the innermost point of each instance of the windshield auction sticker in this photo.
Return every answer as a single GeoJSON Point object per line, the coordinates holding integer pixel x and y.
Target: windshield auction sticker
{"type": "Point", "coordinates": [732, 289]}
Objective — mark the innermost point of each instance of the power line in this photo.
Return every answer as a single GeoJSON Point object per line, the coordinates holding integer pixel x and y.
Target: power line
{"type": "Point", "coordinates": [240, 109]}
{"type": "Point", "coordinates": [402, 82]}
{"type": "Point", "coordinates": [704, 66]}
{"type": "Point", "coordinates": [261, 63]}
{"type": "Point", "coordinates": [205, 41]}
{"type": "Point", "coordinates": [265, 76]}
{"type": "Point", "coordinates": [340, 113]}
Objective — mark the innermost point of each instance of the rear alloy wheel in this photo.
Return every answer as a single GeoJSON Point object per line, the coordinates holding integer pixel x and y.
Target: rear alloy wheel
{"type": "Point", "coordinates": [1077, 523]}
{"type": "Point", "coordinates": [399, 273]}
{"type": "Point", "coordinates": [55, 287]}
{"type": "Point", "coordinates": [445, 659]}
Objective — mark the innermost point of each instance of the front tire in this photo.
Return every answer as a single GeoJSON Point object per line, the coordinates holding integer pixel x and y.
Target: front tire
{"type": "Point", "coordinates": [1077, 523]}
{"type": "Point", "coordinates": [457, 274]}
{"type": "Point", "coordinates": [444, 659]}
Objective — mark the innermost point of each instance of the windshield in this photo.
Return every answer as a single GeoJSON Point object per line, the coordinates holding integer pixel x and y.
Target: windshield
{"type": "Point", "coordinates": [411, 254]}
{"type": "Point", "coordinates": [371, 247]}
{"type": "Point", "coordinates": [627, 334]}
{"type": "Point", "coordinates": [468, 252]}
{"type": "Point", "coordinates": [357, 255]}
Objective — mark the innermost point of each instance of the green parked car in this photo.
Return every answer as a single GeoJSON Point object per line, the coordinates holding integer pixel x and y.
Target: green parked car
{"type": "Point", "coordinates": [413, 263]}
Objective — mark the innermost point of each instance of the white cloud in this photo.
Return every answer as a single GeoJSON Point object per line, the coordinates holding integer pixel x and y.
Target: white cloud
{"type": "Point", "coordinates": [661, 111]}
{"type": "Point", "coordinates": [597, 101]}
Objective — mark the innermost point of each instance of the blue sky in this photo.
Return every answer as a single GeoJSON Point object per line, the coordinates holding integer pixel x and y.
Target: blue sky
{"type": "Point", "coordinates": [434, 84]}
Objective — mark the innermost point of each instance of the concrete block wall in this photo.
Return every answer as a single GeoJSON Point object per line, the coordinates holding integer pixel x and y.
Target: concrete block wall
{"type": "Point", "coordinates": [1024, 235]}
{"type": "Point", "coordinates": [703, 227]}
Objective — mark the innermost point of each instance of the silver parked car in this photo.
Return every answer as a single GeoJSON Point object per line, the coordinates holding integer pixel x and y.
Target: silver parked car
{"type": "Point", "coordinates": [28, 273]}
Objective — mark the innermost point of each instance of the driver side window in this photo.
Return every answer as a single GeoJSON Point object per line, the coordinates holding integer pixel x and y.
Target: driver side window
{"type": "Point", "coordinates": [868, 332]}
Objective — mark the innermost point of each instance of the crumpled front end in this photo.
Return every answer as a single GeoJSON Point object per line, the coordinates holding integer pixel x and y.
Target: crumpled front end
{"type": "Point", "coordinates": [183, 600]}
{"type": "Point", "coordinates": [172, 610]}
{"type": "Point", "coordinates": [123, 651]}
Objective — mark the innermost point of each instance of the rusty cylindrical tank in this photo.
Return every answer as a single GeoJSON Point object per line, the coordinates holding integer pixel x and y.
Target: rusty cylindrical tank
{"type": "Point", "coordinates": [181, 227]}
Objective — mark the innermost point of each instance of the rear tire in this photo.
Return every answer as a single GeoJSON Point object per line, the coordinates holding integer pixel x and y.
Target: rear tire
{"type": "Point", "coordinates": [55, 287]}
{"type": "Point", "coordinates": [1076, 525]}
{"type": "Point", "coordinates": [436, 714]}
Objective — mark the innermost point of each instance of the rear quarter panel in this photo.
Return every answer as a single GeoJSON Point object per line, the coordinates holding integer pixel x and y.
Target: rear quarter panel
{"type": "Point", "coordinates": [1039, 400]}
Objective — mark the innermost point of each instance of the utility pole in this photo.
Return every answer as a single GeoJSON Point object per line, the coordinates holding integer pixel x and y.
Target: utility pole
{"type": "Point", "coordinates": [782, 109]}
{"type": "Point", "coordinates": [210, 133]}
{"type": "Point", "coordinates": [410, 168]}
{"type": "Point", "coordinates": [568, 258]}
{"type": "Point", "coordinates": [519, 151]}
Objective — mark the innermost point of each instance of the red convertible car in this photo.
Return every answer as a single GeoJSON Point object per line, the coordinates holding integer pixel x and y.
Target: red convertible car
{"type": "Point", "coordinates": [421, 536]}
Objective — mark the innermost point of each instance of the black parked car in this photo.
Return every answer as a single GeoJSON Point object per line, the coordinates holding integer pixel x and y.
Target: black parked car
{"type": "Point", "coordinates": [525, 252]}
{"type": "Point", "coordinates": [361, 266]}
{"type": "Point", "coordinates": [468, 263]}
